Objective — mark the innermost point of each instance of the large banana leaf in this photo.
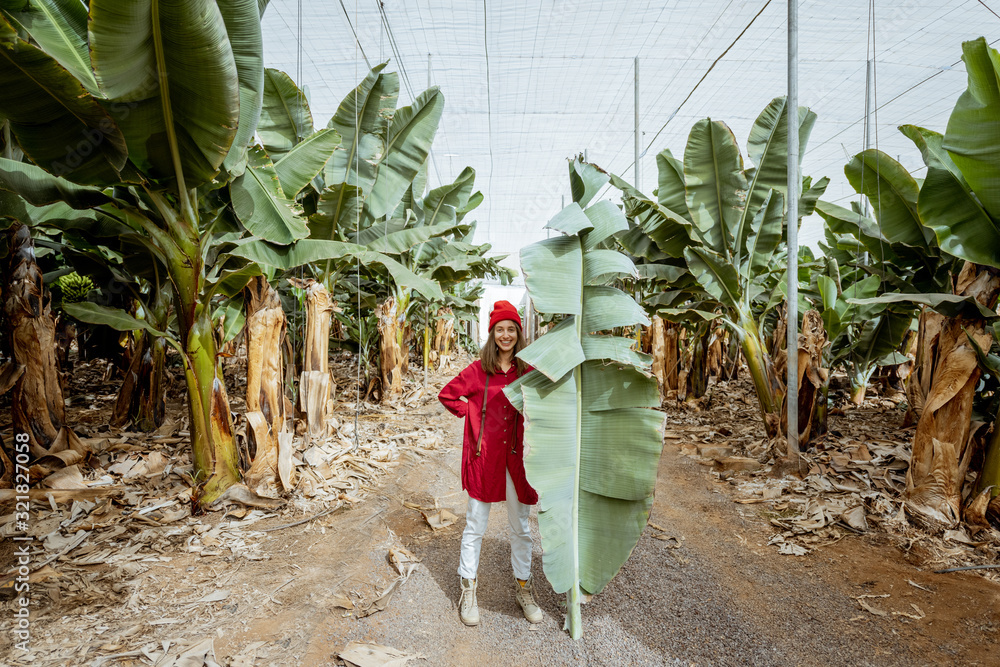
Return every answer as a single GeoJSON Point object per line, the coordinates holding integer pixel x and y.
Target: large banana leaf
{"type": "Point", "coordinates": [716, 275]}
{"type": "Point", "coordinates": [443, 203]}
{"type": "Point", "coordinates": [962, 227]}
{"type": "Point", "coordinates": [585, 182]}
{"type": "Point", "coordinates": [973, 135]}
{"type": "Point", "coordinates": [116, 318]}
{"type": "Point", "coordinates": [846, 222]}
{"type": "Point", "coordinates": [310, 251]}
{"type": "Point", "coordinates": [401, 240]}
{"type": "Point", "coordinates": [949, 305]}
{"type": "Point", "coordinates": [170, 72]}
{"type": "Point", "coordinates": [58, 124]}
{"type": "Point", "coordinates": [767, 148]}
{"type": "Point", "coordinates": [242, 19]}
{"type": "Point", "coordinates": [811, 192]}
{"type": "Point", "coordinates": [338, 212]}
{"type": "Point", "coordinates": [594, 441]}
{"type": "Point", "coordinates": [411, 133]}
{"type": "Point", "coordinates": [931, 146]}
{"type": "Point", "coordinates": [668, 230]}
{"type": "Point", "coordinates": [262, 206]}
{"type": "Point", "coordinates": [714, 183]}
{"type": "Point", "coordinates": [763, 238]}
{"type": "Point", "coordinates": [307, 159]}
{"type": "Point", "coordinates": [362, 119]}
{"type": "Point", "coordinates": [880, 337]}
{"type": "Point", "coordinates": [59, 27]}
{"type": "Point", "coordinates": [892, 193]}
{"type": "Point", "coordinates": [285, 119]}
{"type": "Point", "coordinates": [40, 188]}
{"type": "Point", "coordinates": [670, 188]}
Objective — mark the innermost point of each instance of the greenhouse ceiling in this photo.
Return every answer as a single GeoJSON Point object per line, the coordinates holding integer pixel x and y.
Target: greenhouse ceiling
{"type": "Point", "coordinates": [529, 84]}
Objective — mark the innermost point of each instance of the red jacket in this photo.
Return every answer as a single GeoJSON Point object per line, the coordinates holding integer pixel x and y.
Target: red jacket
{"type": "Point", "coordinates": [503, 441]}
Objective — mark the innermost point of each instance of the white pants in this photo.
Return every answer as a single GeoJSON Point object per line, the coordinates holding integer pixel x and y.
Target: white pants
{"type": "Point", "coordinates": [476, 518]}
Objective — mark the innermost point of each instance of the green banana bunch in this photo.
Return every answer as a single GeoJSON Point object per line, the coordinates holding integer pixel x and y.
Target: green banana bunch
{"type": "Point", "coordinates": [74, 287]}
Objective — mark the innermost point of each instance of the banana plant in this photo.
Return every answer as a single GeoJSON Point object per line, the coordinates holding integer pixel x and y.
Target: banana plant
{"type": "Point", "coordinates": [862, 337]}
{"type": "Point", "coordinates": [727, 223]}
{"type": "Point", "coordinates": [594, 439]}
{"type": "Point", "coordinates": [955, 213]}
{"type": "Point", "coordinates": [177, 102]}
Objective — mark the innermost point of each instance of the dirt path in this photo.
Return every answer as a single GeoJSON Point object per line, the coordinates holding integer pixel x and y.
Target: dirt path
{"type": "Point", "coordinates": [717, 595]}
{"type": "Point", "coordinates": [701, 588]}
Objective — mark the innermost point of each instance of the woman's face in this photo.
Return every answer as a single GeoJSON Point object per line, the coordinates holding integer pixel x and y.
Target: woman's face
{"type": "Point", "coordinates": [505, 335]}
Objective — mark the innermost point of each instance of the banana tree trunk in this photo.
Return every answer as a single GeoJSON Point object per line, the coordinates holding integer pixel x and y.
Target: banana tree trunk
{"type": "Point", "coordinates": [140, 399]}
{"type": "Point", "coordinates": [427, 343]}
{"type": "Point", "coordinates": [671, 356]}
{"type": "Point", "coordinates": [390, 354]}
{"type": "Point", "coordinates": [942, 444]}
{"type": "Point", "coordinates": [270, 441]}
{"type": "Point", "coordinates": [405, 342]}
{"type": "Point", "coordinates": [918, 385]}
{"type": "Point", "coordinates": [314, 383]}
{"type": "Point", "coordinates": [404, 332]}
{"type": "Point", "coordinates": [812, 377]}
{"type": "Point", "coordinates": [662, 340]}
{"type": "Point", "coordinates": [763, 373]}
{"type": "Point", "coordinates": [655, 346]}
{"type": "Point", "coordinates": [65, 336]}
{"type": "Point", "coordinates": [212, 442]}
{"type": "Point", "coordinates": [697, 379]}
{"type": "Point", "coordinates": [715, 352]}
{"type": "Point", "coordinates": [444, 330]}
{"type": "Point", "coordinates": [990, 476]}
{"type": "Point", "coordinates": [858, 389]}
{"type": "Point", "coordinates": [821, 418]}
{"type": "Point", "coordinates": [731, 361]}
{"type": "Point", "coordinates": [37, 397]}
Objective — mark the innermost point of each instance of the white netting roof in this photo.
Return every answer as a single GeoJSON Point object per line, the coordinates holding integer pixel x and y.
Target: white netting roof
{"type": "Point", "coordinates": [561, 81]}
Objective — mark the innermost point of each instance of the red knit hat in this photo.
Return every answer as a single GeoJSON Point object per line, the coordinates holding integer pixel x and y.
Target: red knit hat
{"type": "Point", "coordinates": [504, 310]}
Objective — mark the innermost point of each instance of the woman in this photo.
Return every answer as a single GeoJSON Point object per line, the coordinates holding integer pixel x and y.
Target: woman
{"type": "Point", "coordinates": [492, 464]}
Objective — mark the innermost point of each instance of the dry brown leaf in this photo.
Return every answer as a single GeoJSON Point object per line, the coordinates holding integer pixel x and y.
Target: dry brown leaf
{"type": "Point", "coordinates": [375, 655]}
{"type": "Point", "coordinates": [69, 477]}
{"type": "Point", "coordinates": [439, 519]}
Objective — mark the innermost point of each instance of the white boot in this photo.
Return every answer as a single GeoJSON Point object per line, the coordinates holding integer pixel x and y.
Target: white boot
{"type": "Point", "coordinates": [468, 606]}
{"type": "Point", "coordinates": [526, 600]}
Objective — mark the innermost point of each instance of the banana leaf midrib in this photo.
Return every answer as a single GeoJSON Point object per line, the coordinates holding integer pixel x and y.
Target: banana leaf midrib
{"type": "Point", "coordinates": [772, 137]}
{"type": "Point", "coordinates": [359, 113]}
{"type": "Point", "coordinates": [355, 144]}
{"type": "Point", "coordinates": [718, 189]}
{"type": "Point", "coordinates": [84, 66]}
{"type": "Point", "coordinates": [291, 118]}
{"type": "Point", "coordinates": [168, 113]}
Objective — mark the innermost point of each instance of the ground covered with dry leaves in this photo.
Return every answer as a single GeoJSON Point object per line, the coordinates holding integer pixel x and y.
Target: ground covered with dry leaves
{"type": "Point", "coordinates": [739, 565]}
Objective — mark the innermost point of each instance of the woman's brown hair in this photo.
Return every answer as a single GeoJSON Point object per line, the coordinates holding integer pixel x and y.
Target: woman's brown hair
{"type": "Point", "coordinates": [489, 356]}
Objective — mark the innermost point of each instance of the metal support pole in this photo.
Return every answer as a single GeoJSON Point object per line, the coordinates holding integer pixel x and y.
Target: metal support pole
{"type": "Point", "coordinates": [791, 309]}
{"type": "Point", "coordinates": [637, 173]}
{"type": "Point", "coordinates": [430, 158]}
{"type": "Point", "coordinates": [868, 105]}
{"type": "Point", "coordinates": [868, 135]}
